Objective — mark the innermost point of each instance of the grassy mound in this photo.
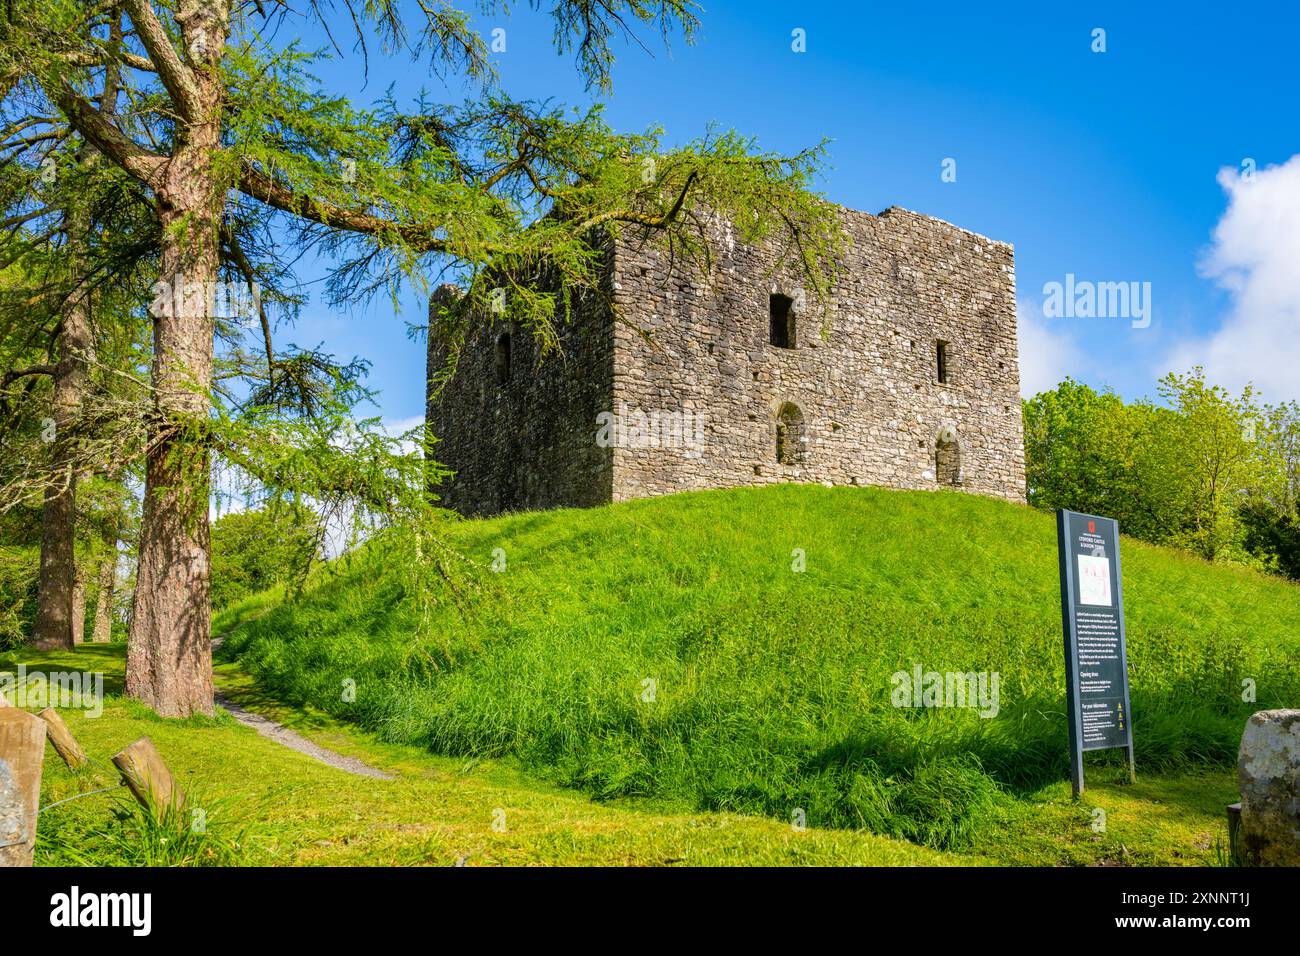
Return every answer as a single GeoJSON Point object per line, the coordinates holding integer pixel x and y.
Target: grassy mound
{"type": "Point", "coordinates": [668, 649]}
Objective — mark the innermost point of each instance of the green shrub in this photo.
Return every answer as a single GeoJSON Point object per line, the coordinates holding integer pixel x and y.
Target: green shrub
{"type": "Point", "coordinates": [256, 550]}
{"type": "Point", "coordinates": [19, 569]}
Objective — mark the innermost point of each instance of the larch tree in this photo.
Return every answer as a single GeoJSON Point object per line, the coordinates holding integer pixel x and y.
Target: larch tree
{"type": "Point", "coordinates": [55, 190]}
{"type": "Point", "coordinates": [225, 125]}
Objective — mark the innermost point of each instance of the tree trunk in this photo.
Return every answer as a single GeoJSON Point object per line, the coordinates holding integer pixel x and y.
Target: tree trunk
{"type": "Point", "coordinates": [169, 655]}
{"type": "Point", "coordinates": [103, 627]}
{"type": "Point", "coordinates": [79, 606]}
{"type": "Point", "coordinates": [54, 612]}
{"type": "Point", "coordinates": [53, 626]}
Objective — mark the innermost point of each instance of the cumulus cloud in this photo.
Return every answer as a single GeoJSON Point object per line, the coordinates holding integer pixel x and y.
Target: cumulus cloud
{"type": "Point", "coordinates": [1255, 256]}
{"type": "Point", "coordinates": [1048, 353]}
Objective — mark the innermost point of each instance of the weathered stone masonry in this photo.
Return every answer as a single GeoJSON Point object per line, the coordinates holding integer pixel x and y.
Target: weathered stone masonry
{"type": "Point", "coordinates": [865, 395]}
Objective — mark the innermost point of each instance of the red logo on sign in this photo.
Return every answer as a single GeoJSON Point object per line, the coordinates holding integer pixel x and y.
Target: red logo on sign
{"type": "Point", "coordinates": [1092, 527]}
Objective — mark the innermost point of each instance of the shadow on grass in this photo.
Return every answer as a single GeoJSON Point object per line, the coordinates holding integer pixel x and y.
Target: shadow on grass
{"type": "Point", "coordinates": [106, 659]}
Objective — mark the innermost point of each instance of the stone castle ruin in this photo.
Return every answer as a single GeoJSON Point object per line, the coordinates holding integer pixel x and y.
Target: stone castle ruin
{"type": "Point", "coordinates": [912, 381]}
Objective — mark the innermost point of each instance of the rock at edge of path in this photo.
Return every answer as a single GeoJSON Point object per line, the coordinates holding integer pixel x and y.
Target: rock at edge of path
{"type": "Point", "coordinates": [1268, 773]}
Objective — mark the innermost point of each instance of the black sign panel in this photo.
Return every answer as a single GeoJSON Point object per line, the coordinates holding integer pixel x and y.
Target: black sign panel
{"type": "Point", "coordinates": [1092, 615]}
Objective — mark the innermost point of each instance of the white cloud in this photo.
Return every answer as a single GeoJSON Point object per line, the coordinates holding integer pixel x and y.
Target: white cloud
{"type": "Point", "coordinates": [399, 427]}
{"type": "Point", "coordinates": [402, 425]}
{"type": "Point", "coordinates": [1255, 256]}
{"type": "Point", "coordinates": [1047, 352]}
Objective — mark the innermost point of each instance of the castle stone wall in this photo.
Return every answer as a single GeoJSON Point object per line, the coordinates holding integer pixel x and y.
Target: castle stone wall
{"type": "Point", "coordinates": [857, 400]}
{"type": "Point", "coordinates": [527, 443]}
{"type": "Point", "coordinates": [867, 390]}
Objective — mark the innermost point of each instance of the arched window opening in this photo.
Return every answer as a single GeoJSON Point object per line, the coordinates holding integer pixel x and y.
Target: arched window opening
{"type": "Point", "coordinates": [790, 438]}
{"type": "Point", "coordinates": [947, 458]}
{"type": "Point", "coordinates": [781, 321]}
{"type": "Point", "coordinates": [502, 362]}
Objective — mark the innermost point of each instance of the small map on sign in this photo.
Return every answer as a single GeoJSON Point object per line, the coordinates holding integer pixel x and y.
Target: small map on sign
{"type": "Point", "coordinates": [1094, 580]}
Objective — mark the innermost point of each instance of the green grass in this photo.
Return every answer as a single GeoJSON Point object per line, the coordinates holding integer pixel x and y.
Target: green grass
{"type": "Point", "coordinates": [771, 687]}
{"type": "Point", "coordinates": [267, 805]}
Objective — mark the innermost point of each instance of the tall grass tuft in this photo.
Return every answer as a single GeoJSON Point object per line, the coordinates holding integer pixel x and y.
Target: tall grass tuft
{"type": "Point", "coordinates": [126, 834]}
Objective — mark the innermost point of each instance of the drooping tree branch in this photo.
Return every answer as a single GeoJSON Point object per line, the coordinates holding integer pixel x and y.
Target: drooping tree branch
{"type": "Point", "coordinates": [105, 136]}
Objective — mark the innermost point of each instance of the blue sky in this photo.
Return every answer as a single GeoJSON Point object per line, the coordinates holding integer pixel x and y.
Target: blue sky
{"type": "Point", "coordinates": [1106, 165]}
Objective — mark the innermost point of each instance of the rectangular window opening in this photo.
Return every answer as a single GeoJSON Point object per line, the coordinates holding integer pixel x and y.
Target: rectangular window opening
{"type": "Point", "coordinates": [781, 313]}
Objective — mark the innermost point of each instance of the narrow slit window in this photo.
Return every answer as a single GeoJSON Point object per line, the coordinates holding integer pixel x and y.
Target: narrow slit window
{"type": "Point", "coordinates": [941, 361]}
{"type": "Point", "coordinates": [781, 318]}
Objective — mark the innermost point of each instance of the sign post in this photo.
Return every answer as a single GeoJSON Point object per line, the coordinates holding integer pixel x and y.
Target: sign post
{"type": "Point", "coordinates": [1092, 617]}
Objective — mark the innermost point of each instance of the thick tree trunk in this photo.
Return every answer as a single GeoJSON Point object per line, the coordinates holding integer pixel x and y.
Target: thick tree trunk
{"type": "Point", "coordinates": [54, 613]}
{"type": "Point", "coordinates": [169, 656]}
{"type": "Point", "coordinates": [103, 628]}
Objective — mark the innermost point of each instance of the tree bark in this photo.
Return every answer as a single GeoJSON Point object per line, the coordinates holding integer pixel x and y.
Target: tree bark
{"type": "Point", "coordinates": [78, 621]}
{"type": "Point", "coordinates": [53, 626]}
{"type": "Point", "coordinates": [169, 655]}
{"type": "Point", "coordinates": [103, 627]}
